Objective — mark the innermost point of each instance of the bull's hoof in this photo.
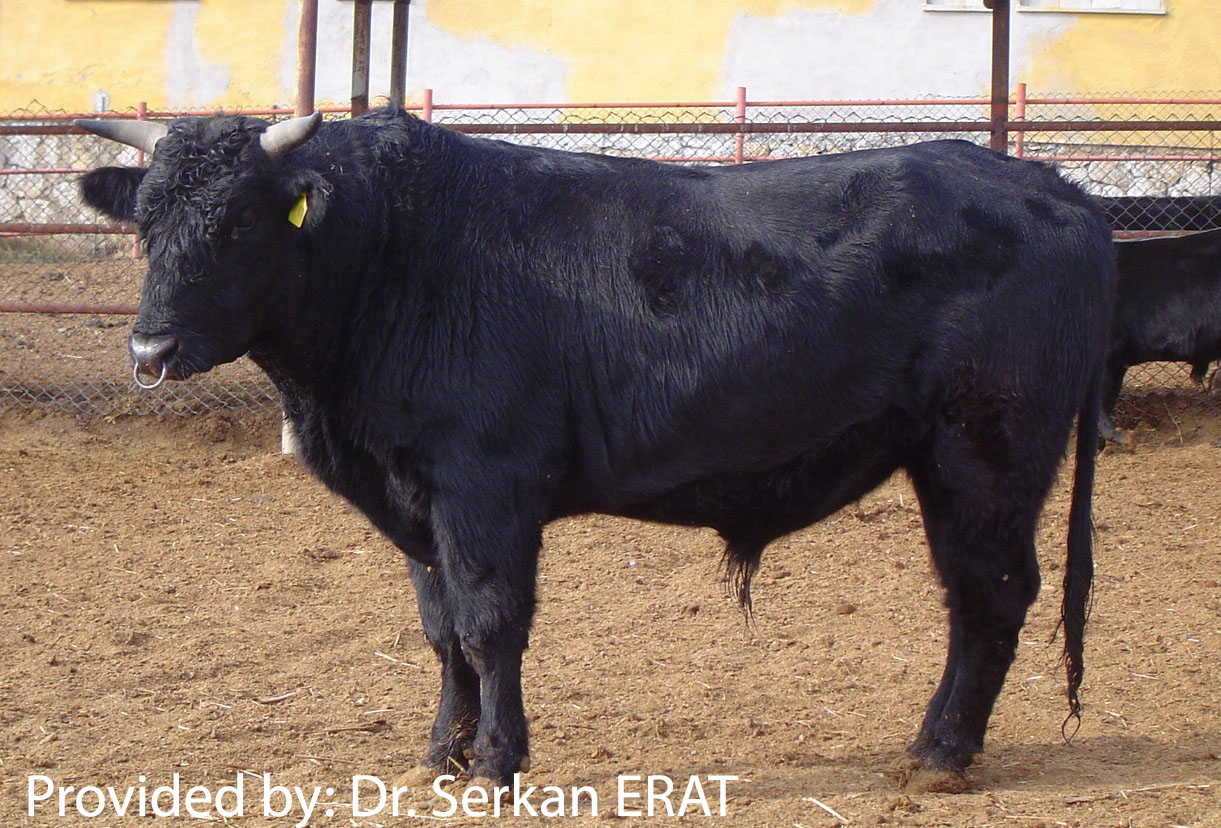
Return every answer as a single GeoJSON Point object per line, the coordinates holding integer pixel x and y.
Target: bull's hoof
{"type": "Point", "coordinates": [450, 756]}
{"type": "Point", "coordinates": [420, 787]}
{"type": "Point", "coordinates": [489, 773]}
{"type": "Point", "coordinates": [423, 776]}
{"type": "Point", "coordinates": [924, 780]}
{"type": "Point", "coordinates": [488, 787]}
{"type": "Point", "coordinates": [935, 767]}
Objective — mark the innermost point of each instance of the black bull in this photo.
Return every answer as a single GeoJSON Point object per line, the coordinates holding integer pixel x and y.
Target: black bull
{"type": "Point", "coordinates": [1167, 307]}
{"type": "Point", "coordinates": [474, 338]}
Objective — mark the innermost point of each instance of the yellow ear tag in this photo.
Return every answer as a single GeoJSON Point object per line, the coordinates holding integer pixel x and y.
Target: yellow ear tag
{"type": "Point", "coordinates": [297, 214]}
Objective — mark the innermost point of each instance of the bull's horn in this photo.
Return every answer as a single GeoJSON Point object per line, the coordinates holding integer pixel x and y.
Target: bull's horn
{"type": "Point", "coordinates": [282, 138]}
{"type": "Point", "coordinates": [142, 135]}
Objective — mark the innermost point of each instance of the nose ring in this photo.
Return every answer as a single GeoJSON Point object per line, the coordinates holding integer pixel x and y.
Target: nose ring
{"type": "Point", "coordinates": [135, 375]}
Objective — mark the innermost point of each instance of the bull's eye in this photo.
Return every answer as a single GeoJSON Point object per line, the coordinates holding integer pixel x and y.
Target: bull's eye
{"type": "Point", "coordinates": [244, 223]}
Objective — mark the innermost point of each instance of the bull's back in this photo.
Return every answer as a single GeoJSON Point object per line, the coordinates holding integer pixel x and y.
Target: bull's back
{"type": "Point", "coordinates": [777, 307]}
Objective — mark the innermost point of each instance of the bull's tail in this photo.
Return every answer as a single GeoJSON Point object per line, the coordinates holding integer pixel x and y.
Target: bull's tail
{"type": "Point", "coordinates": [1079, 568]}
{"type": "Point", "coordinates": [740, 563]}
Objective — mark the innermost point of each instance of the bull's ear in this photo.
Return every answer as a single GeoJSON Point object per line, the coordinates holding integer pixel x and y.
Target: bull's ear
{"type": "Point", "coordinates": [308, 195]}
{"type": "Point", "coordinates": [113, 190]}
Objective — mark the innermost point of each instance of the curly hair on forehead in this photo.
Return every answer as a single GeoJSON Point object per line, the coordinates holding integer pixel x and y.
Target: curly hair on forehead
{"type": "Point", "coordinates": [197, 166]}
{"type": "Point", "coordinates": [219, 133]}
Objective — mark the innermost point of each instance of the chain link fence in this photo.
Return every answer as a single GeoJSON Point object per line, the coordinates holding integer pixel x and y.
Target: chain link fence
{"type": "Point", "coordinates": [70, 282]}
{"type": "Point", "coordinates": [1153, 163]}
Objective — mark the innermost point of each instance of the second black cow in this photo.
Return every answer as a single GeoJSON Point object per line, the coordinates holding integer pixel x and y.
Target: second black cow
{"type": "Point", "coordinates": [474, 338]}
{"type": "Point", "coordinates": [1167, 308]}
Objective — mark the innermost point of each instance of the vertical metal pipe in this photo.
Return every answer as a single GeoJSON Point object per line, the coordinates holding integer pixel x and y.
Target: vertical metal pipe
{"type": "Point", "coordinates": [398, 54]}
{"type": "Point", "coordinates": [1000, 74]}
{"type": "Point", "coordinates": [1019, 115]}
{"type": "Point", "coordinates": [426, 111]}
{"type": "Point", "coordinates": [307, 54]}
{"type": "Point", "coordinates": [307, 61]}
{"type": "Point", "coordinates": [739, 139]}
{"type": "Point", "coordinates": [141, 115]}
{"type": "Point", "coordinates": [362, 28]}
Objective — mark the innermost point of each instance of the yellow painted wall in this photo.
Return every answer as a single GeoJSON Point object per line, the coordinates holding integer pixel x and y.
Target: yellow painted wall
{"type": "Point", "coordinates": [622, 50]}
{"type": "Point", "coordinates": [1179, 51]}
{"type": "Point", "coordinates": [59, 52]}
{"type": "Point", "coordinates": [247, 36]}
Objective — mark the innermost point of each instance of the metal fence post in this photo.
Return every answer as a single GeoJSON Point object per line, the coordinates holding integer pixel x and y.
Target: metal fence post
{"type": "Point", "coordinates": [398, 53]}
{"type": "Point", "coordinates": [1000, 74]}
{"type": "Point", "coordinates": [307, 58]}
{"type": "Point", "coordinates": [1019, 116]}
{"type": "Point", "coordinates": [307, 54]}
{"type": "Point", "coordinates": [362, 27]}
{"type": "Point", "coordinates": [739, 140]}
{"type": "Point", "coordinates": [426, 110]}
{"type": "Point", "coordinates": [141, 115]}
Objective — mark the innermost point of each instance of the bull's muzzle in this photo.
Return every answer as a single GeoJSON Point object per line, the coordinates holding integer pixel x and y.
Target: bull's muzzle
{"type": "Point", "coordinates": [150, 357]}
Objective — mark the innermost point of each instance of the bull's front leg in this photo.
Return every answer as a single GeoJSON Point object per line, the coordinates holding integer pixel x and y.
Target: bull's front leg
{"type": "Point", "coordinates": [453, 730]}
{"type": "Point", "coordinates": [489, 555]}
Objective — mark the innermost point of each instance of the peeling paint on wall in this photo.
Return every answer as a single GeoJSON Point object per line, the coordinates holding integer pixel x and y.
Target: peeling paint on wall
{"type": "Point", "coordinates": [892, 50]}
{"type": "Point", "coordinates": [464, 68]}
{"type": "Point", "coordinates": [288, 51]}
{"type": "Point", "coordinates": [621, 49]}
{"type": "Point", "coordinates": [190, 79]}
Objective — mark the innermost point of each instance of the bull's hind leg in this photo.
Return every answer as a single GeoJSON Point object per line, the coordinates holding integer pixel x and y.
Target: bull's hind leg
{"type": "Point", "coordinates": [980, 514]}
{"type": "Point", "coordinates": [453, 730]}
{"type": "Point", "coordinates": [1112, 384]}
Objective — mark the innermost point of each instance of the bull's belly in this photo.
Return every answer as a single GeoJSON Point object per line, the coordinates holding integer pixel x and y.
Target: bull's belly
{"type": "Point", "coordinates": [762, 504]}
{"type": "Point", "coordinates": [1198, 351]}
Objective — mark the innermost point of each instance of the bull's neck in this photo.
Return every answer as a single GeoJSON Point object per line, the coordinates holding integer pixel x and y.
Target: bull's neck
{"type": "Point", "coordinates": [340, 316]}
{"type": "Point", "coordinates": [356, 287]}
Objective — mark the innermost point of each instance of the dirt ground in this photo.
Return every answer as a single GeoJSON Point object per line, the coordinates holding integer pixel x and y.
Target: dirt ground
{"type": "Point", "coordinates": [179, 598]}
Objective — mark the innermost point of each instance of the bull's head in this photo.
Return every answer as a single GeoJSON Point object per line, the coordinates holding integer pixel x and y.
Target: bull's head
{"type": "Point", "coordinates": [223, 212]}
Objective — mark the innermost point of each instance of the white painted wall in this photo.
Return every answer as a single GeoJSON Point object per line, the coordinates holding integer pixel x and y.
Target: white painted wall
{"type": "Point", "coordinates": [466, 70]}
{"type": "Point", "coordinates": [897, 50]}
{"type": "Point", "coordinates": [189, 77]}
